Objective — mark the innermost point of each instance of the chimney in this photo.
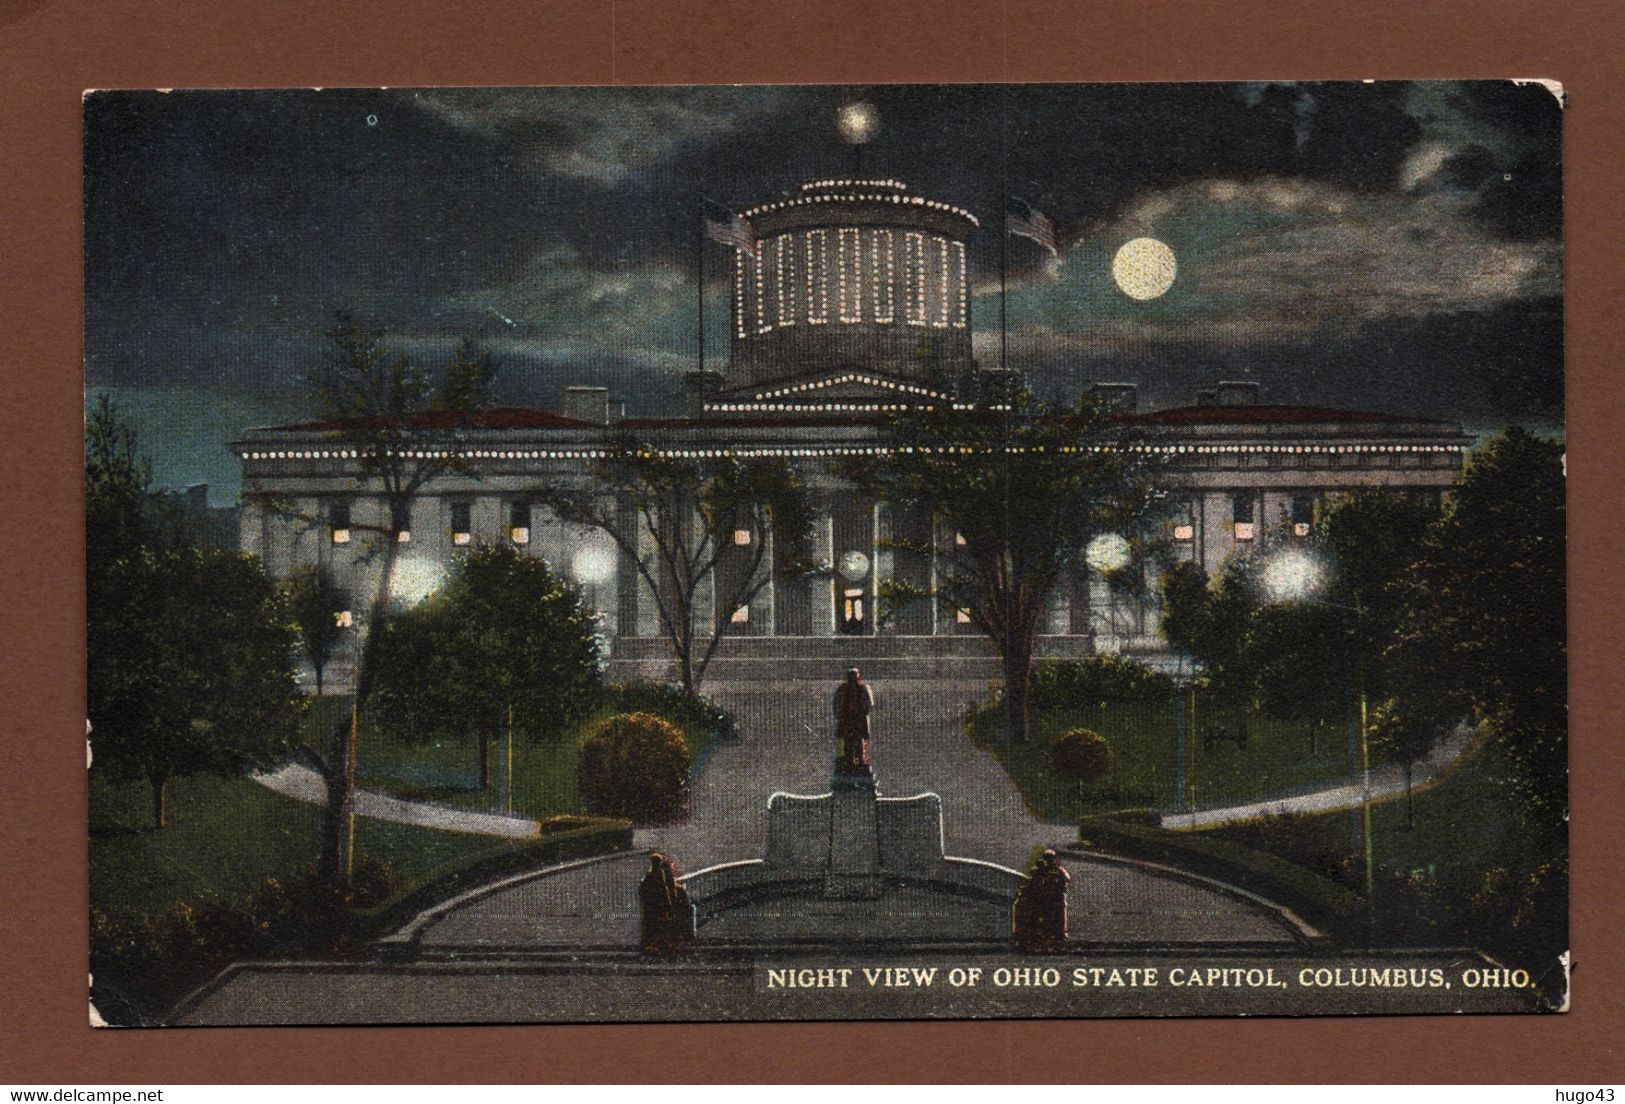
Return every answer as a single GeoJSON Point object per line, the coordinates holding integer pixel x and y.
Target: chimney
{"type": "Point", "coordinates": [1117, 396]}
{"type": "Point", "coordinates": [1236, 393]}
{"type": "Point", "coordinates": [586, 404]}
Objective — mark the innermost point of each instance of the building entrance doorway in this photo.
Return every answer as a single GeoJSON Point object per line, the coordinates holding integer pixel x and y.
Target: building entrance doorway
{"type": "Point", "coordinates": [852, 619]}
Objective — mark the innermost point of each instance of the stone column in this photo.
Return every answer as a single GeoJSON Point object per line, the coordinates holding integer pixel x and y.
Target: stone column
{"type": "Point", "coordinates": [823, 590]}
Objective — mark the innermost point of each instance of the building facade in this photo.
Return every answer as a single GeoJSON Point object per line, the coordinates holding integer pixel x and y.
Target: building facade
{"type": "Point", "coordinates": [850, 302]}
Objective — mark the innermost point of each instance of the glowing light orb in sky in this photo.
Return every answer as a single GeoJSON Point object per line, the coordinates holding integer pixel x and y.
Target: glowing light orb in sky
{"type": "Point", "coordinates": [1144, 268]}
{"type": "Point", "coordinates": [857, 122]}
{"type": "Point", "coordinates": [1107, 552]}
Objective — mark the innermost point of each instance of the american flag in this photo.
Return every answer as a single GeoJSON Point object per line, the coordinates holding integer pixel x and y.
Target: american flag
{"type": "Point", "coordinates": [1026, 221]}
{"type": "Point", "coordinates": [723, 225]}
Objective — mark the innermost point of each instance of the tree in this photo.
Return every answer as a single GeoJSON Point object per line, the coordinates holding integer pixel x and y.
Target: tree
{"type": "Point", "coordinates": [117, 490]}
{"type": "Point", "coordinates": [678, 532]}
{"type": "Point", "coordinates": [1081, 755]}
{"type": "Point", "coordinates": [1407, 729]}
{"type": "Point", "coordinates": [504, 637]}
{"type": "Point", "coordinates": [190, 669]}
{"type": "Point", "coordinates": [1485, 616]}
{"type": "Point", "coordinates": [1183, 589]}
{"type": "Point", "coordinates": [1024, 486]}
{"type": "Point", "coordinates": [1297, 656]}
{"type": "Point", "coordinates": [315, 602]}
{"type": "Point", "coordinates": [406, 428]}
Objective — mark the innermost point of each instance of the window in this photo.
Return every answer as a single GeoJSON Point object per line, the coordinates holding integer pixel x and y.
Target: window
{"type": "Point", "coordinates": [882, 272]}
{"type": "Point", "coordinates": [962, 616]}
{"type": "Point", "coordinates": [1184, 527]}
{"type": "Point", "coordinates": [1241, 514]}
{"type": "Point", "coordinates": [741, 615]}
{"type": "Point", "coordinates": [849, 266]}
{"type": "Point", "coordinates": [959, 539]}
{"type": "Point", "coordinates": [338, 520]}
{"type": "Point", "coordinates": [344, 619]}
{"type": "Point", "coordinates": [461, 527]}
{"type": "Point", "coordinates": [914, 278]}
{"type": "Point", "coordinates": [1303, 515]}
{"type": "Point", "coordinates": [816, 245]}
{"type": "Point", "coordinates": [401, 521]}
{"type": "Point", "coordinates": [741, 536]}
{"type": "Point", "coordinates": [519, 522]}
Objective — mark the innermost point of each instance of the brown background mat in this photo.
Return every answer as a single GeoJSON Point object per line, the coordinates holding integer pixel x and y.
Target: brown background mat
{"type": "Point", "coordinates": [49, 53]}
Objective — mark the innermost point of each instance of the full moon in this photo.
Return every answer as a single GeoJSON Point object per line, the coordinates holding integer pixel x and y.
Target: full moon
{"type": "Point", "coordinates": [1144, 268]}
{"type": "Point", "coordinates": [857, 122]}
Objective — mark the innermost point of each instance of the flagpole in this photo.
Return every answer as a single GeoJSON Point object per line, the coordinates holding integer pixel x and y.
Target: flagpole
{"type": "Point", "coordinates": [699, 295]}
{"type": "Point", "coordinates": [1004, 234]}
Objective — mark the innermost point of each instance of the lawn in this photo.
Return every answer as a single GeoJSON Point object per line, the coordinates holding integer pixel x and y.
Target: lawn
{"type": "Point", "coordinates": [227, 837]}
{"type": "Point", "coordinates": [447, 770]}
{"type": "Point", "coordinates": [1146, 751]}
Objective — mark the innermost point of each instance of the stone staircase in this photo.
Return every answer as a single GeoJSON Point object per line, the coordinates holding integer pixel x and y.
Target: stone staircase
{"type": "Point", "coordinates": [824, 658]}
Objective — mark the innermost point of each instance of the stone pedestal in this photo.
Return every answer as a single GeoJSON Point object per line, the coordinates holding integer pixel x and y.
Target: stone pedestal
{"type": "Point", "coordinates": [854, 838]}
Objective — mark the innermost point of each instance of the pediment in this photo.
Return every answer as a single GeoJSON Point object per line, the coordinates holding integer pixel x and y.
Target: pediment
{"type": "Point", "coordinates": [839, 385]}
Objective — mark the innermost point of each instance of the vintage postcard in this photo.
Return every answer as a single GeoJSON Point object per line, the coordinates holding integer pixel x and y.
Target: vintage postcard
{"type": "Point", "coordinates": [795, 553]}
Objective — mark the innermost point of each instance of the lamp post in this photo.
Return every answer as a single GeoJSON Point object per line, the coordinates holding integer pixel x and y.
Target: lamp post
{"type": "Point", "coordinates": [1295, 575]}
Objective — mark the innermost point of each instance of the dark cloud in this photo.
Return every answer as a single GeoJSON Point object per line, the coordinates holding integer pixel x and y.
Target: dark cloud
{"type": "Point", "coordinates": [1325, 232]}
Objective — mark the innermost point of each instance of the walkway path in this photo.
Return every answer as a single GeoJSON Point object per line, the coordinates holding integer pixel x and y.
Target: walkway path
{"type": "Point", "coordinates": [303, 784]}
{"type": "Point", "coordinates": [784, 744]}
{"type": "Point", "coordinates": [1387, 781]}
{"type": "Point", "coordinates": [918, 747]}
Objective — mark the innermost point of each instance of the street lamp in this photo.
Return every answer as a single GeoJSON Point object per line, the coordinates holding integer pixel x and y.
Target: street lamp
{"type": "Point", "coordinates": [1295, 575]}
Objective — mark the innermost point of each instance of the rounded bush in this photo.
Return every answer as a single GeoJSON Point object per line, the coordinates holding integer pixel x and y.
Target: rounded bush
{"type": "Point", "coordinates": [635, 766]}
{"type": "Point", "coordinates": [1081, 755]}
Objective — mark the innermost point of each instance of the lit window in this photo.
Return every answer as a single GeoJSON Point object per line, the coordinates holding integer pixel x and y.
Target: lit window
{"type": "Point", "coordinates": [462, 529]}
{"type": "Point", "coordinates": [740, 615]}
{"type": "Point", "coordinates": [343, 619]}
{"type": "Point", "coordinates": [963, 617]}
{"type": "Point", "coordinates": [1241, 514]}
{"type": "Point", "coordinates": [1303, 515]}
{"type": "Point", "coordinates": [1184, 524]}
{"type": "Point", "coordinates": [519, 522]}
{"type": "Point", "coordinates": [338, 518]}
{"type": "Point", "coordinates": [741, 536]}
{"type": "Point", "coordinates": [402, 524]}
{"type": "Point", "coordinates": [404, 536]}
{"type": "Point", "coordinates": [959, 539]}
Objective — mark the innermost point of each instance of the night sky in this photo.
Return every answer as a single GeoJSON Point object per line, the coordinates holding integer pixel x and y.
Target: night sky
{"type": "Point", "coordinates": [1380, 246]}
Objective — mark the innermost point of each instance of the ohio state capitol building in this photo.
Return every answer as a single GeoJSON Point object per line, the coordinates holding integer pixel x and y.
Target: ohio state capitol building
{"type": "Point", "coordinates": [850, 300]}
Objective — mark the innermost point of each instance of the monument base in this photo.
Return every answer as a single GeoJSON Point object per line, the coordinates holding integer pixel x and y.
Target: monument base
{"type": "Point", "coordinates": [854, 838]}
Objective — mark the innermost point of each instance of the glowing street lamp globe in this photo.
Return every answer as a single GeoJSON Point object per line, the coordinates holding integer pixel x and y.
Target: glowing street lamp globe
{"type": "Point", "coordinates": [1107, 552]}
{"type": "Point", "coordinates": [593, 565]}
{"type": "Point", "coordinates": [414, 579]}
{"type": "Point", "coordinates": [1292, 576]}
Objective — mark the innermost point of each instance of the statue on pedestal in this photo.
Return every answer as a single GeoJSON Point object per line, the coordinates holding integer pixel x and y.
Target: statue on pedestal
{"type": "Point", "coordinates": [668, 916]}
{"type": "Point", "coordinates": [854, 706]}
{"type": "Point", "coordinates": [1038, 919]}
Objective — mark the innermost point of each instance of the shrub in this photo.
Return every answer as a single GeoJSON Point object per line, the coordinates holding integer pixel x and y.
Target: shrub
{"type": "Point", "coordinates": [1080, 755]}
{"type": "Point", "coordinates": [144, 964]}
{"type": "Point", "coordinates": [635, 765]}
{"type": "Point", "coordinates": [1095, 681]}
{"type": "Point", "coordinates": [693, 712]}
